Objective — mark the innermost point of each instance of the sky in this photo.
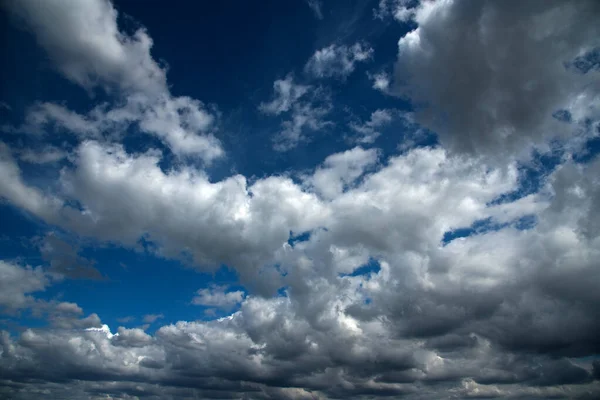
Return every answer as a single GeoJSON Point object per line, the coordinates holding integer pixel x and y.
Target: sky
{"type": "Point", "coordinates": [300, 199]}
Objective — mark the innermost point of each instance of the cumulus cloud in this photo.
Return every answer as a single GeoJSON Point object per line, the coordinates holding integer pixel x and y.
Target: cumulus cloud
{"type": "Point", "coordinates": [381, 81]}
{"type": "Point", "coordinates": [218, 296]}
{"type": "Point", "coordinates": [488, 77]}
{"type": "Point", "coordinates": [88, 48]}
{"type": "Point", "coordinates": [351, 287]}
{"type": "Point", "coordinates": [17, 283]}
{"type": "Point", "coordinates": [339, 171]}
{"type": "Point", "coordinates": [337, 61]}
{"type": "Point", "coordinates": [433, 313]}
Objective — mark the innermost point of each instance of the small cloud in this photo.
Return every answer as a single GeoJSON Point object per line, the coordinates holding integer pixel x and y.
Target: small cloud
{"type": "Point", "coordinates": [150, 318]}
{"type": "Point", "coordinates": [286, 94]}
{"type": "Point", "coordinates": [368, 131]}
{"type": "Point", "coordinates": [125, 320]}
{"type": "Point", "coordinates": [400, 10]}
{"type": "Point", "coordinates": [381, 81]}
{"type": "Point", "coordinates": [316, 7]}
{"type": "Point", "coordinates": [218, 296]}
{"type": "Point", "coordinates": [337, 61]}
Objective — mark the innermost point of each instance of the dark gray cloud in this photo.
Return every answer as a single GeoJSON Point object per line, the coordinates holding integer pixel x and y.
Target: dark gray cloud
{"type": "Point", "coordinates": [488, 76]}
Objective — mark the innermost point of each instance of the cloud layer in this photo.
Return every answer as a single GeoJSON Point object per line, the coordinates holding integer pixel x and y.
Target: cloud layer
{"type": "Point", "coordinates": [417, 272]}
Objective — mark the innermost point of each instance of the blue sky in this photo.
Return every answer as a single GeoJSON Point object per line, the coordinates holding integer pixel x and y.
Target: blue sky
{"type": "Point", "coordinates": [299, 199]}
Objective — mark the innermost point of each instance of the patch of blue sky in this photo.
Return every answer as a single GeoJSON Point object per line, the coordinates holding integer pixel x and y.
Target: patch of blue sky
{"type": "Point", "coordinates": [483, 226]}
{"type": "Point", "coordinates": [371, 267]}
{"type": "Point", "coordinates": [532, 175]}
{"type": "Point", "coordinates": [296, 238]}
{"type": "Point", "coordinates": [587, 62]}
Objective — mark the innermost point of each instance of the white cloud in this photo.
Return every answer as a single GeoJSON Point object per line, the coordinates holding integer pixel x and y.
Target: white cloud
{"type": "Point", "coordinates": [85, 43]}
{"type": "Point", "coordinates": [305, 117]}
{"type": "Point", "coordinates": [87, 46]}
{"type": "Point", "coordinates": [305, 107]}
{"type": "Point", "coordinates": [381, 81]}
{"type": "Point", "coordinates": [48, 154]}
{"type": "Point", "coordinates": [286, 94]}
{"type": "Point", "coordinates": [17, 282]}
{"type": "Point", "coordinates": [337, 61]}
{"type": "Point", "coordinates": [218, 296]}
{"type": "Point", "coordinates": [340, 170]}
{"type": "Point", "coordinates": [368, 130]}
{"type": "Point", "coordinates": [401, 10]}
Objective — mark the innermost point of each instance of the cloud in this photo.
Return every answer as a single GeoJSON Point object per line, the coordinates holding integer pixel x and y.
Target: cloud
{"type": "Point", "coordinates": [350, 290]}
{"type": "Point", "coordinates": [18, 286]}
{"type": "Point", "coordinates": [218, 296]}
{"type": "Point", "coordinates": [337, 61]}
{"type": "Point", "coordinates": [17, 283]}
{"type": "Point", "coordinates": [65, 261]}
{"type": "Point", "coordinates": [305, 117]}
{"type": "Point", "coordinates": [381, 81]}
{"type": "Point", "coordinates": [368, 130]}
{"type": "Point", "coordinates": [340, 171]}
{"type": "Point", "coordinates": [400, 10]}
{"type": "Point", "coordinates": [286, 94]}
{"type": "Point", "coordinates": [151, 318]}
{"type": "Point", "coordinates": [48, 154]}
{"type": "Point", "coordinates": [305, 108]}
{"type": "Point", "coordinates": [88, 48]}
{"type": "Point", "coordinates": [487, 77]}
{"type": "Point", "coordinates": [317, 8]}
{"type": "Point", "coordinates": [433, 313]}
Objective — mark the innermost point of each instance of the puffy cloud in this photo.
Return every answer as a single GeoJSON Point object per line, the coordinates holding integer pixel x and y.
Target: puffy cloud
{"type": "Point", "coordinates": [286, 94]}
{"type": "Point", "coordinates": [17, 283]}
{"type": "Point", "coordinates": [337, 61]}
{"type": "Point", "coordinates": [340, 170]}
{"type": "Point", "coordinates": [401, 10]}
{"type": "Point", "coordinates": [371, 300]}
{"type": "Point", "coordinates": [488, 77]}
{"type": "Point", "coordinates": [87, 46]}
{"type": "Point", "coordinates": [485, 315]}
{"type": "Point", "coordinates": [218, 296]}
